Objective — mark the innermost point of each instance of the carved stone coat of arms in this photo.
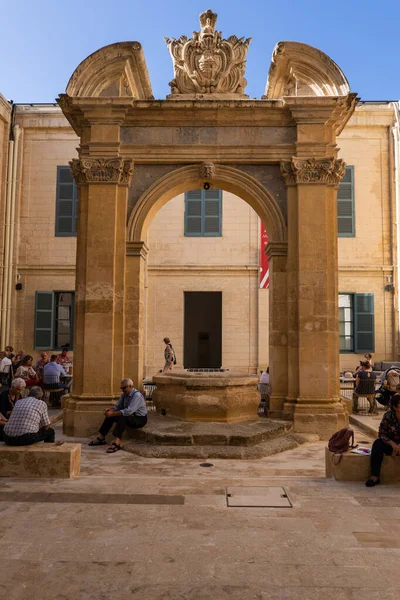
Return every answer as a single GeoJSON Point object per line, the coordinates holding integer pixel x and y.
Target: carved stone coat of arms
{"type": "Point", "coordinates": [207, 63]}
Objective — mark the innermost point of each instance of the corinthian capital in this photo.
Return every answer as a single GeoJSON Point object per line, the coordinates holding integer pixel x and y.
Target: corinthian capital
{"type": "Point", "coordinates": [102, 170]}
{"type": "Point", "coordinates": [326, 171]}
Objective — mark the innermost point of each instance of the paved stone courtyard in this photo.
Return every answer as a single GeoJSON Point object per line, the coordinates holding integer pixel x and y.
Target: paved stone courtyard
{"type": "Point", "coordinates": [152, 529]}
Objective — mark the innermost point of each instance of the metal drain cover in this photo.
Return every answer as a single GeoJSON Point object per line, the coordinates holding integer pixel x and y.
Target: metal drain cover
{"type": "Point", "coordinates": [273, 497]}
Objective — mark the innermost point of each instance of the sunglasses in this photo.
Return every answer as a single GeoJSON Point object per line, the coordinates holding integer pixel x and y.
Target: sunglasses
{"type": "Point", "coordinates": [124, 388]}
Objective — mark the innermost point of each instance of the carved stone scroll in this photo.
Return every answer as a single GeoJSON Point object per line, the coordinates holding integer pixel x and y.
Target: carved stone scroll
{"type": "Point", "coordinates": [327, 171]}
{"type": "Point", "coordinates": [102, 170]}
{"type": "Point", "coordinates": [207, 63]}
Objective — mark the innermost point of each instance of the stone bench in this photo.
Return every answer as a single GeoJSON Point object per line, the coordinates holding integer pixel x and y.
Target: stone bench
{"type": "Point", "coordinates": [40, 460]}
{"type": "Point", "coordinates": [356, 467]}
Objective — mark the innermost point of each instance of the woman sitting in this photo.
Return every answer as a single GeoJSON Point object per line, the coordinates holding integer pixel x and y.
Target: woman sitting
{"type": "Point", "coordinates": [26, 371]}
{"type": "Point", "coordinates": [365, 387]}
{"type": "Point", "coordinates": [388, 441]}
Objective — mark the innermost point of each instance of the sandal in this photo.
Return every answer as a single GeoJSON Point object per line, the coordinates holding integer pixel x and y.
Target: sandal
{"type": "Point", "coordinates": [113, 448]}
{"type": "Point", "coordinates": [98, 442]}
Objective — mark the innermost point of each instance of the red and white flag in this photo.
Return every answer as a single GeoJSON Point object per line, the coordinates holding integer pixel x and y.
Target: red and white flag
{"type": "Point", "coordinates": [264, 267]}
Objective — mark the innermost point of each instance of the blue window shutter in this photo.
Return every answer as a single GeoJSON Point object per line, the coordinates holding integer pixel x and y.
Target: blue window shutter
{"type": "Point", "coordinates": [364, 323]}
{"type": "Point", "coordinates": [44, 320]}
{"type": "Point", "coordinates": [212, 213]}
{"type": "Point", "coordinates": [193, 213]}
{"type": "Point", "coordinates": [66, 203]}
{"type": "Point", "coordinates": [345, 205]}
{"type": "Point", "coordinates": [203, 213]}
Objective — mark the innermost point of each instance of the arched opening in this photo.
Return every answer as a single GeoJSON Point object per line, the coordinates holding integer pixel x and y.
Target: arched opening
{"type": "Point", "coordinates": [191, 177]}
{"type": "Point", "coordinates": [190, 275]}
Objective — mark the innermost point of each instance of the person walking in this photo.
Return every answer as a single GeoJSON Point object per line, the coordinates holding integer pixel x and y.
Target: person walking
{"type": "Point", "coordinates": [130, 411]}
{"type": "Point", "coordinates": [169, 355]}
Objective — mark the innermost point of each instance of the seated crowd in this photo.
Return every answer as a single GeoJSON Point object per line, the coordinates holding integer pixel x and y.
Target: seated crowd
{"type": "Point", "coordinates": [25, 421]}
{"type": "Point", "coordinates": [20, 365]}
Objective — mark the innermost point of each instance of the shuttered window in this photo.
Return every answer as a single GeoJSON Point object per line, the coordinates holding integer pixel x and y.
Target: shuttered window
{"type": "Point", "coordinates": [364, 322]}
{"type": "Point", "coordinates": [356, 323]}
{"type": "Point", "coordinates": [203, 213]}
{"type": "Point", "coordinates": [345, 205]}
{"type": "Point", "coordinates": [54, 320]}
{"type": "Point", "coordinates": [66, 203]}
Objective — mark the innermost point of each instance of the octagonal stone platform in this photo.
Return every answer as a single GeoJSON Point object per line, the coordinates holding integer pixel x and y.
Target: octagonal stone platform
{"type": "Point", "coordinates": [164, 437]}
{"type": "Point", "coordinates": [218, 397]}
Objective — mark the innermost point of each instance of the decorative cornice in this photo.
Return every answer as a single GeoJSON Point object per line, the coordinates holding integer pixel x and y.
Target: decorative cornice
{"type": "Point", "coordinates": [322, 171]}
{"type": "Point", "coordinates": [207, 170]}
{"type": "Point", "coordinates": [117, 171]}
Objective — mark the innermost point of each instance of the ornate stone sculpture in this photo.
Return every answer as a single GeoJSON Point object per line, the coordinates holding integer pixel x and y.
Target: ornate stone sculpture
{"type": "Point", "coordinates": [328, 171]}
{"type": "Point", "coordinates": [208, 64]}
{"type": "Point", "coordinates": [207, 170]}
{"type": "Point", "coordinates": [102, 170]}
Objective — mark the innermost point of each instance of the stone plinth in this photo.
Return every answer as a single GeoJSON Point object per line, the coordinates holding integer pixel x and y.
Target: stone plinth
{"type": "Point", "coordinates": [356, 467]}
{"type": "Point", "coordinates": [83, 417]}
{"type": "Point", "coordinates": [222, 397]}
{"type": "Point", "coordinates": [40, 460]}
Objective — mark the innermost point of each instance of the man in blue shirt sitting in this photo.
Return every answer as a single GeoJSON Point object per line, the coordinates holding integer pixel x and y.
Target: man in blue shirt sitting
{"type": "Point", "coordinates": [130, 411]}
{"type": "Point", "coordinates": [51, 373]}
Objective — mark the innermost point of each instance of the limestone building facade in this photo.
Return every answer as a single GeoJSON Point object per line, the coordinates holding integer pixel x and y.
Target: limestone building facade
{"type": "Point", "coordinates": [39, 248]}
{"type": "Point", "coordinates": [42, 256]}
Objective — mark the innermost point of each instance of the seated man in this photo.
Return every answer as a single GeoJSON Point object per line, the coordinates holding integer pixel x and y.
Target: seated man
{"type": "Point", "coordinates": [388, 441]}
{"type": "Point", "coordinates": [130, 411]}
{"type": "Point", "coordinates": [51, 374]}
{"type": "Point", "coordinates": [29, 421]}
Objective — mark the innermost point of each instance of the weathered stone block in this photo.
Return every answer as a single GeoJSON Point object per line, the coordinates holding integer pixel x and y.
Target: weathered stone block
{"type": "Point", "coordinates": [40, 460]}
{"type": "Point", "coordinates": [356, 467]}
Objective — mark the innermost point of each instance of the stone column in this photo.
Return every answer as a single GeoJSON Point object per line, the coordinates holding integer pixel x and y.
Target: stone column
{"type": "Point", "coordinates": [136, 257]}
{"type": "Point", "coordinates": [278, 337]}
{"type": "Point", "coordinates": [99, 301]}
{"type": "Point", "coordinates": [313, 294]}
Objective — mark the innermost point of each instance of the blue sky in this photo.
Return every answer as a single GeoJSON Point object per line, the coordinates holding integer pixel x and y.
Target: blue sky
{"type": "Point", "coordinates": [43, 41]}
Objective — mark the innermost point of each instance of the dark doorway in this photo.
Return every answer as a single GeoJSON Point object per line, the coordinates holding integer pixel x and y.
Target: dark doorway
{"type": "Point", "coordinates": [203, 330]}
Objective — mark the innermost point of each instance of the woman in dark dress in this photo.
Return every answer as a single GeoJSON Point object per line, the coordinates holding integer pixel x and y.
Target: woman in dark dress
{"type": "Point", "coordinates": [388, 441]}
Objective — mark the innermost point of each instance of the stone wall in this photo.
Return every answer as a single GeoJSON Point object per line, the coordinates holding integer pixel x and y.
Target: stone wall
{"type": "Point", "coordinates": [366, 260]}
{"type": "Point", "coordinates": [45, 262]}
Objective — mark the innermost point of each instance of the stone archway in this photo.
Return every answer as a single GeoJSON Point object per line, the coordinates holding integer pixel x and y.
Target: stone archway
{"type": "Point", "coordinates": [243, 185]}
{"type": "Point", "coordinates": [277, 153]}
{"type": "Point", "coordinates": [224, 177]}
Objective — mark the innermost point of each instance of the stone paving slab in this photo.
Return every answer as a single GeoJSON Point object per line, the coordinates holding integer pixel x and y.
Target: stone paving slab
{"type": "Point", "coordinates": [338, 542]}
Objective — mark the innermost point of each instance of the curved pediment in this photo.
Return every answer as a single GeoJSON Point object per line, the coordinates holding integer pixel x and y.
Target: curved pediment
{"type": "Point", "coordinates": [301, 70]}
{"type": "Point", "coordinates": [113, 71]}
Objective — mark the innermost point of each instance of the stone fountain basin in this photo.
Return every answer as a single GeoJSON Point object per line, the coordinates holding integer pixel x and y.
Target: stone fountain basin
{"type": "Point", "coordinates": [221, 397]}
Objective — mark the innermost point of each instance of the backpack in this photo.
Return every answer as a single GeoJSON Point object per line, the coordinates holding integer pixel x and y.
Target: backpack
{"type": "Point", "coordinates": [340, 441]}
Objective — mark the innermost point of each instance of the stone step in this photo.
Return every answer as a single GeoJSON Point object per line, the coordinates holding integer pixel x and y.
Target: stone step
{"type": "Point", "coordinates": [173, 432]}
{"type": "Point", "coordinates": [367, 423]}
{"type": "Point", "coordinates": [285, 441]}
